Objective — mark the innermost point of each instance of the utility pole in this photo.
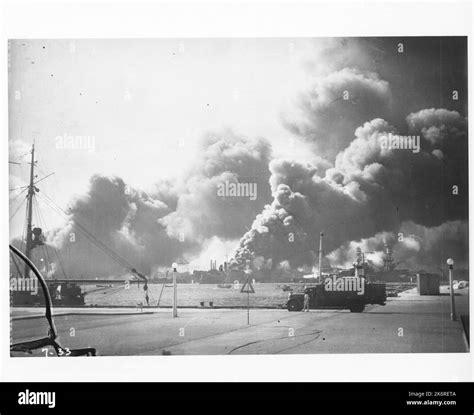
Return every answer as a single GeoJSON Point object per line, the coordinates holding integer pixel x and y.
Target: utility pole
{"type": "Point", "coordinates": [29, 210]}
{"type": "Point", "coordinates": [320, 256]}
{"type": "Point", "coordinates": [175, 290]}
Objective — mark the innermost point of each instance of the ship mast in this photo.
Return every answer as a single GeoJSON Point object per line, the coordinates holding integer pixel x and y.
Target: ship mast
{"type": "Point", "coordinates": [29, 210]}
{"type": "Point", "coordinates": [320, 261]}
{"type": "Point", "coordinates": [388, 264]}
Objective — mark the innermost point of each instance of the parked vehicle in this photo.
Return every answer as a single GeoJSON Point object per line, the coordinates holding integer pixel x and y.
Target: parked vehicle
{"type": "Point", "coordinates": [340, 297]}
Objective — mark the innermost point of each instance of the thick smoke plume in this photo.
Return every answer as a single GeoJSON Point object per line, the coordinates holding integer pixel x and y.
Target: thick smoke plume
{"type": "Point", "coordinates": [171, 222]}
{"type": "Point", "coordinates": [335, 105]}
{"type": "Point", "coordinates": [358, 190]}
{"type": "Point", "coordinates": [370, 189]}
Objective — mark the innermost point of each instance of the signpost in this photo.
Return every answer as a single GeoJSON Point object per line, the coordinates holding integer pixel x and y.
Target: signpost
{"type": "Point", "coordinates": [248, 289]}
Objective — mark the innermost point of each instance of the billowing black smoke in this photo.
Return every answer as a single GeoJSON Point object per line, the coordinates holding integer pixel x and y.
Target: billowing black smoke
{"type": "Point", "coordinates": [389, 168]}
{"type": "Point", "coordinates": [171, 222]}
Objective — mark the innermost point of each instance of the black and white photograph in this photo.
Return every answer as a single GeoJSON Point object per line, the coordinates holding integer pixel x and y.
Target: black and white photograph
{"type": "Point", "coordinates": [224, 196]}
{"type": "Point", "coordinates": [233, 200]}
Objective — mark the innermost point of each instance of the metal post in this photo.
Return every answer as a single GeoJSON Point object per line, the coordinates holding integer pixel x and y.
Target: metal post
{"type": "Point", "coordinates": [31, 193]}
{"type": "Point", "coordinates": [248, 308]}
{"type": "Point", "coordinates": [175, 291]}
{"type": "Point", "coordinates": [320, 256]}
{"type": "Point", "coordinates": [451, 290]}
{"type": "Point", "coordinates": [248, 273]}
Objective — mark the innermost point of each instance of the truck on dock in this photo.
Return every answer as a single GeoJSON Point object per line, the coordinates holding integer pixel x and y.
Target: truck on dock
{"type": "Point", "coordinates": [339, 297]}
{"type": "Point", "coordinates": [351, 289]}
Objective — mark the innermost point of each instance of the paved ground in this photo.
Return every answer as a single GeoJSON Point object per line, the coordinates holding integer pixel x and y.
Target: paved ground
{"type": "Point", "coordinates": [22, 313]}
{"type": "Point", "coordinates": [408, 323]}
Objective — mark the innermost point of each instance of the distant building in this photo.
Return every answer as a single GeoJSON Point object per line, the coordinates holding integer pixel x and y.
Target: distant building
{"type": "Point", "coordinates": [428, 284]}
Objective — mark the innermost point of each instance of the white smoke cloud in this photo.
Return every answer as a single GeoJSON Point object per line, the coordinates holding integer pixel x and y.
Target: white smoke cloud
{"type": "Point", "coordinates": [335, 105]}
{"type": "Point", "coordinates": [438, 125]}
{"type": "Point", "coordinates": [201, 212]}
{"type": "Point", "coordinates": [173, 222]}
{"type": "Point", "coordinates": [413, 246]}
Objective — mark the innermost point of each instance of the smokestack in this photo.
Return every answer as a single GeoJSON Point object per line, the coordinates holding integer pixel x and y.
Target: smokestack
{"type": "Point", "coordinates": [320, 256]}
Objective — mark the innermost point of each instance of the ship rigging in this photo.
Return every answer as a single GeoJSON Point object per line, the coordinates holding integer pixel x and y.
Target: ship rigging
{"type": "Point", "coordinates": [65, 291]}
